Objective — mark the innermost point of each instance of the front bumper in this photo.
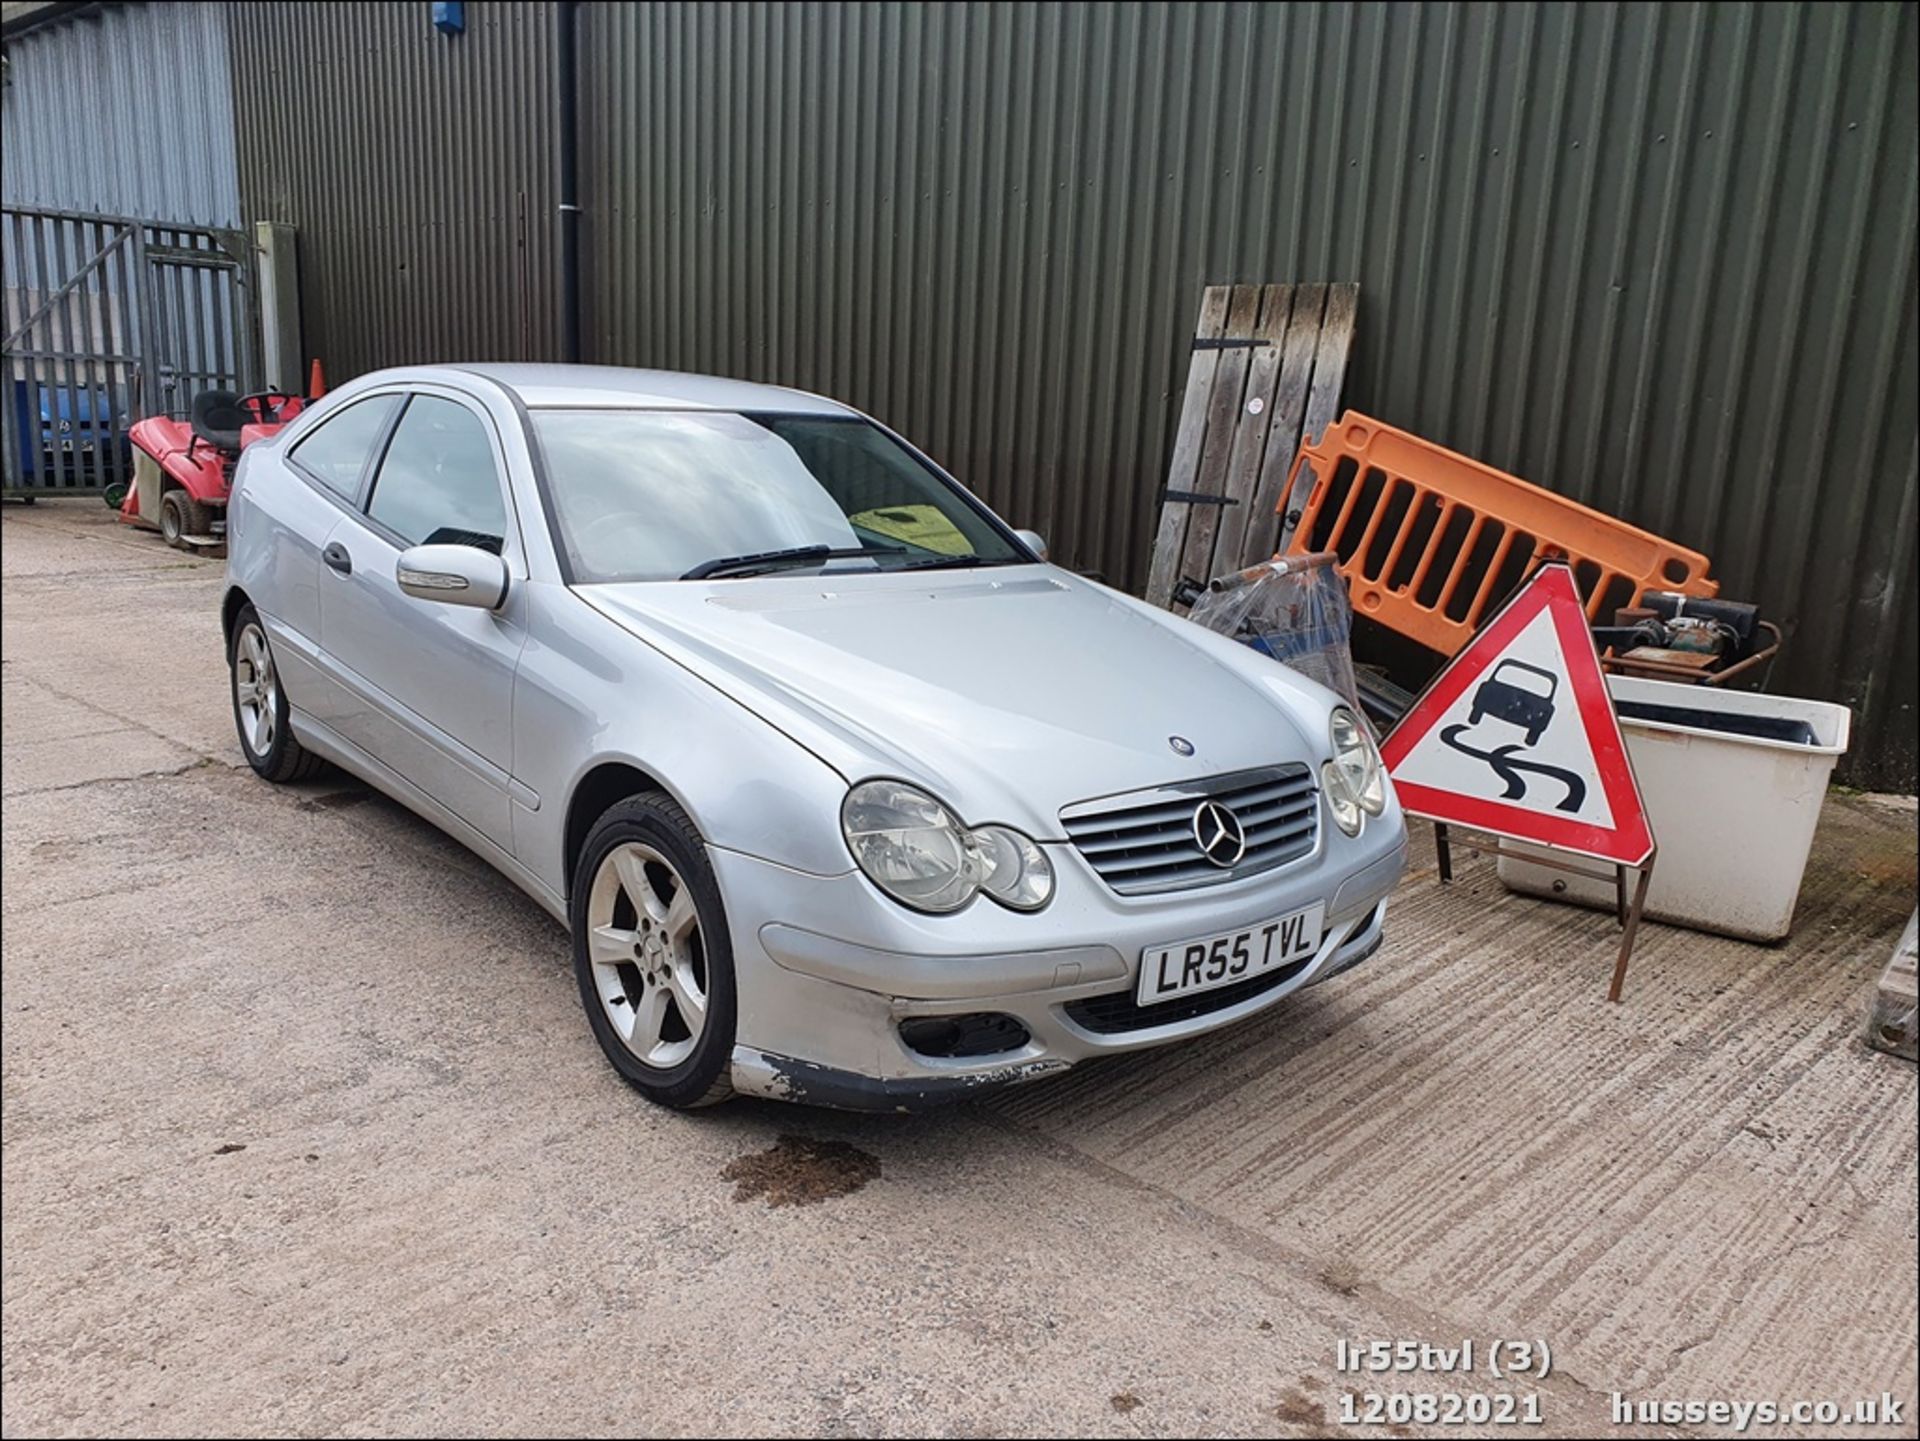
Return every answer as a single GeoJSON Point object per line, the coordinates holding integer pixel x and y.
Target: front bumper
{"type": "Point", "coordinates": [828, 970]}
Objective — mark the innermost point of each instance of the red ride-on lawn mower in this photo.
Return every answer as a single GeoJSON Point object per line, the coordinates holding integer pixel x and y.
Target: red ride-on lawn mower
{"type": "Point", "coordinates": [183, 467]}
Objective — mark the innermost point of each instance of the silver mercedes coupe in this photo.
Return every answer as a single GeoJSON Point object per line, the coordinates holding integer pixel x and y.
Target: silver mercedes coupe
{"type": "Point", "coordinates": [843, 792]}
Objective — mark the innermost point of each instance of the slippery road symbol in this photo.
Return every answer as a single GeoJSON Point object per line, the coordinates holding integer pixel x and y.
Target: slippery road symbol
{"type": "Point", "coordinates": [1517, 736]}
{"type": "Point", "coordinates": [1509, 770]}
{"type": "Point", "coordinates": [1519, 701]}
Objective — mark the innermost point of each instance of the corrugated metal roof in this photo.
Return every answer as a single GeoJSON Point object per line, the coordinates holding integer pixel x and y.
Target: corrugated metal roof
{"type": "Point", "coordinates": [123, 110]}
{"type": "Point", "coordinates": [18, 16]}
{"type": "Point", "coordinates": [417, 169]}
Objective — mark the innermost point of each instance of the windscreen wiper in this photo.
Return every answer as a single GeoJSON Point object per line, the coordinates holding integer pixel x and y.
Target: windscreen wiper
{"type": "Point", "coordinates": [771, 559]}
{"type": "Point", "coordinates": [953, 562]}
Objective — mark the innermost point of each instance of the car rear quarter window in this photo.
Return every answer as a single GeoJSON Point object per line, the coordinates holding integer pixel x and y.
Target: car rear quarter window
{"type": "Point", "coordinates": [438, 484]}
{"type": "Point", "coordinates": [335, 451]}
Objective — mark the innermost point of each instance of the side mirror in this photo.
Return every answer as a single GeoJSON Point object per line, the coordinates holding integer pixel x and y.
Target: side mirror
{"type": "Point", "coordinates": [454, 574]}
{"type": "Point", "coordinates": [1034, 541]}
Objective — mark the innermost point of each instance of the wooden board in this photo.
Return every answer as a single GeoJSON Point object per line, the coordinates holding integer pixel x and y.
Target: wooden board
{"type": "Point", "coordinates": [1268, 364]}
{"type": "Point", "coordinates": [1249, 440]}
{"type": "Point", "coordinates": [1226, 399]}
{"type": "Point", "coordinates": [1170, 539]}
{"type": "Point", "coordinates": [1331, 351]}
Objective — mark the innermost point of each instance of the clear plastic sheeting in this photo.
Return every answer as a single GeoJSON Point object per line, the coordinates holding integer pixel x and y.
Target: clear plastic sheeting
{"type": "Point", "coordinates": [1293, 608]}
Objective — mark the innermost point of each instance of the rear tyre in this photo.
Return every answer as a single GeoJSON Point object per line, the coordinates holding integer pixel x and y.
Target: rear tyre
{"type": "Point", "coordinates": [181, 516]}
{"type": "Point", "coordinates": [652, 954]}
{"type": "Point", "coordinates": [260, 706]}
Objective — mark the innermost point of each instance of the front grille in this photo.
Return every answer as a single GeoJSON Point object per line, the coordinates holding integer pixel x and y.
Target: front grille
{"type": "Point", "coordinates": [1145, 842]}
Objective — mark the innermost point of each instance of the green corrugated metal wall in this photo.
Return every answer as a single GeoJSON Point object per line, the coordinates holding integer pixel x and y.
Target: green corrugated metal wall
{"type": "Point", "coordinates": [417, 168]}
{"type": "Point", "coordinates": [1659, 258]}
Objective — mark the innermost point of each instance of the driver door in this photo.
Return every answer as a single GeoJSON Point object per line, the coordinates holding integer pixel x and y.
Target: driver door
{"type": "Point", "coordinates": [429, 686]}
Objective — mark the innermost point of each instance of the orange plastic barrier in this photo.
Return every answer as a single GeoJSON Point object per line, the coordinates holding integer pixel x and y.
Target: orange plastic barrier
{"type": "Point", "coordinates": [1430, 540]}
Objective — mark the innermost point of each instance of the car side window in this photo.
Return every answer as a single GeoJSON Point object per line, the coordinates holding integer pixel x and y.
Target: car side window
{"type": "Point", "coordinates": [335, 451]}
{"type": "Point", "coordinates": [438, 484]}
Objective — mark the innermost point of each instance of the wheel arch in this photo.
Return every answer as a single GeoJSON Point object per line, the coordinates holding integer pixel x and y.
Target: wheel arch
{"type": "Point", "coordinates": [230, 605]}
{"type": "Point", "coordinates": [604, 785]}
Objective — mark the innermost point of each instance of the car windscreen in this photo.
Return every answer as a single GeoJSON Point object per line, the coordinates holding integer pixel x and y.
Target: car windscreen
{"type": "Point", "coordinates": [655, 494]}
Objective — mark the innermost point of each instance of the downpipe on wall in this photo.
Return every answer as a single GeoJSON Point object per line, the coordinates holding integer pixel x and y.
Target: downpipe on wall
{"type": "Point", "coordinates": [567, 102]}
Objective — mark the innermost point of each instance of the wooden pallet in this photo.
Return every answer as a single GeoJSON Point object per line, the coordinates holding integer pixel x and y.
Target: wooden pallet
{"type": "Point", "coordinates": [1268, 362]}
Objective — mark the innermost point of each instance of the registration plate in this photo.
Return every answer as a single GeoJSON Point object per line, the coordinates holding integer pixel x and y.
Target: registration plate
{"type": "Point", "coordinates": [1181, 968]}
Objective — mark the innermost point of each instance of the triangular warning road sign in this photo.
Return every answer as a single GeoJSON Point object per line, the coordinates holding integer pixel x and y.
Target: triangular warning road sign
{"type": "Point", "coordinates": [1517, 736]}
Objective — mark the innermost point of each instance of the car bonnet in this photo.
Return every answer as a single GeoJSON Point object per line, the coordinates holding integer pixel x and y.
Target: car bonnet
{"type": "Point", "coordinates": [1009, 693]}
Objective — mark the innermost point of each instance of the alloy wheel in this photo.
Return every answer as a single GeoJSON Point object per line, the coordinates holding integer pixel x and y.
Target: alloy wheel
{"type": "Point", "coordinates": [649, 963]}
{"type": "Point", "coordinates": [256, 692]}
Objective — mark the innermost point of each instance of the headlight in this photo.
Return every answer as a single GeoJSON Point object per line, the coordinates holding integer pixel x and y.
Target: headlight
{"type": "Point", "coordinates": [1356, 763]}
{"type": "Point", "coordinates": [918, 852]}
{"type": "Point", "coordinates": [1018, 873]}
{"type": "Point", "coordinates": [909, 845]}
{"type": "Point", "coordinates": [1346, 810]}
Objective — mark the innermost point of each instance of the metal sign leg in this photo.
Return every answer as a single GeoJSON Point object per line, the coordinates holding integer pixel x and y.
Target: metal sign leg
{"type": "Point", "coordinates": [1633, 926]}
{"type": "Point", "coordinates": [1626, 913]}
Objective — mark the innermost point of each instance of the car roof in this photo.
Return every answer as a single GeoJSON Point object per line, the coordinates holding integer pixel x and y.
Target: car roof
{"type": "Point", "coordinates": [615, 387]}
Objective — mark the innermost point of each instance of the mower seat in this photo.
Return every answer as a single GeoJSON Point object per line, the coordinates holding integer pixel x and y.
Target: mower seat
{"type": "Point", "coordinates": [217, 417]}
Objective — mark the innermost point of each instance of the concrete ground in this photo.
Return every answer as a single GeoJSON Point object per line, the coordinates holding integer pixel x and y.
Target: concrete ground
{"type": "Point", "coordinates": [304, 1132]}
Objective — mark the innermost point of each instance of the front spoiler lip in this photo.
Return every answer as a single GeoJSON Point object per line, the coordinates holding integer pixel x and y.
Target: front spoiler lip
{"type": "Point", "coordinates": [784, 1078]}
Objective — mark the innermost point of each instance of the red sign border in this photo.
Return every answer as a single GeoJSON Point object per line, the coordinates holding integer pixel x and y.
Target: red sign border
{"type": "Point", "coordinates": [1629, 842]}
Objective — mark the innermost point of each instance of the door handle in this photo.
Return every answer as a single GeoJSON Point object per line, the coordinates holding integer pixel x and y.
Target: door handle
{"type": "Point", "coordinates": [335, 555]}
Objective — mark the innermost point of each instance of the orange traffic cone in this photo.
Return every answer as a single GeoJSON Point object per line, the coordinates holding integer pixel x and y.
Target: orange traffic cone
{"type": "Point", "coordinates": [316, 381]}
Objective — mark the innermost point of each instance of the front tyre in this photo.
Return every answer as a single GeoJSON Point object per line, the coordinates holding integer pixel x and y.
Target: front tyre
{"type": "Point", "coordinates": [260, 706]}
{"type": "Point", "coordinates": [652, 954]}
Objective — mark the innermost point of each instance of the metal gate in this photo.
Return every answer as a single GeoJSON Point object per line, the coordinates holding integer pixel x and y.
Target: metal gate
{"type": "Point", "coordinates": [109, 320]}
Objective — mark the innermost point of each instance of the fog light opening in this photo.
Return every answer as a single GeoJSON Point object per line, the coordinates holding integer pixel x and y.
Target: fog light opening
{"type": "Point", "coordinates": [983, 1033]}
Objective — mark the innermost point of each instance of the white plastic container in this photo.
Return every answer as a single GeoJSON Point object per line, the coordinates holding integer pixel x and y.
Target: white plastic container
{"type": "Point", "coordinates": [1733, 814]}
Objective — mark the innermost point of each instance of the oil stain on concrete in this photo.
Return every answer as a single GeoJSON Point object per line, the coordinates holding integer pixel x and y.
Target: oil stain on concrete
{"type": "Point", "coordinates": [800, 1171]}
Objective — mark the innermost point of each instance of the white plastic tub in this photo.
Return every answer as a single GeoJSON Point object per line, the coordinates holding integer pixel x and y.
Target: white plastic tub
{"type": "Point", "coordinates": [1733, 814]}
